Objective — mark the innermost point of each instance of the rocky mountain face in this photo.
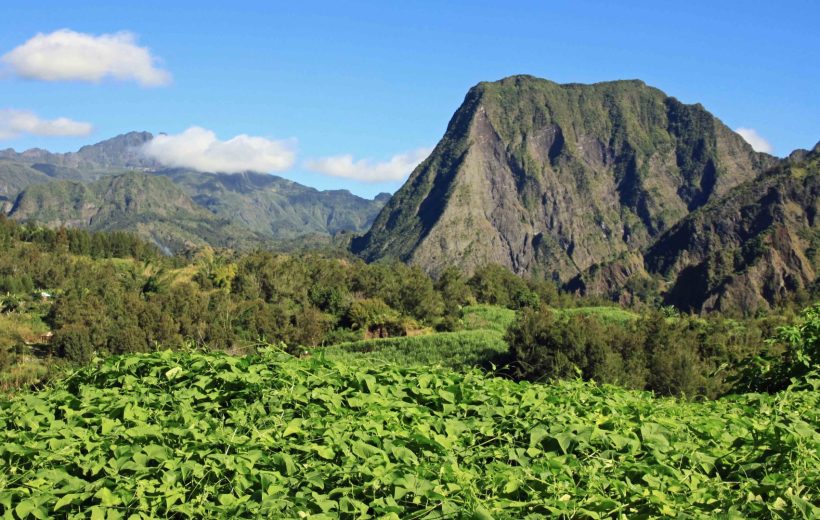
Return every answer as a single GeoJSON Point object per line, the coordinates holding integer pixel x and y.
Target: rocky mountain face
{"type": "Point", "coordinates": [609, 188]}
{"type": "Point", "coordinates": [756, 245]}
{"type": "Point", "coordinates": [255, 208]}
{"type": "Point", "coordinates": [552, 179]}
{"type": "Point", "coordinates": [741, 253]}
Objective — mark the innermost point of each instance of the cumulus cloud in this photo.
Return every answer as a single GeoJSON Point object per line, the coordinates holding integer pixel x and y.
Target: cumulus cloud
{"type": "Point", "coordinates": [66, 55]}
{"type": "Point", "coordinates": [397, 168]}
{"type": "Point", "coordinates": [15, 123]}
{"type": "Point", "coordinates": [199, 149]}
{"type": "Point", "coordinates": [759, 144]}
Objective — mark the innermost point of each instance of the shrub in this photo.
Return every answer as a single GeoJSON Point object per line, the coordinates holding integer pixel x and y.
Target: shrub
{"type": "Point", "coordinates": [73, 342]}
{"type": "Point", "coordinates": [794, 353]}
{"type": "Point", "coordinates": [653, 353]}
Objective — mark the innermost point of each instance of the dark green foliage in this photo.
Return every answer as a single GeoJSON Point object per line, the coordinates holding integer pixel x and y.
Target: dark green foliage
{"type": "Point", "coordinates": [497, 285]}
{"type": "Point", "coordinates": [454, 288]}
{"type": "Point", "coordinates": [680, 355]}
{"type": "Point", "coordinates": [794, 354]}
{"type": "Point", "coordinates": [74, 343]}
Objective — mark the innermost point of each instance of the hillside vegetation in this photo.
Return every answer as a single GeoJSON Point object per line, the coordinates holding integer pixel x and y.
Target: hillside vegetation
{"type": "Point", "coordinates": [72, 296]}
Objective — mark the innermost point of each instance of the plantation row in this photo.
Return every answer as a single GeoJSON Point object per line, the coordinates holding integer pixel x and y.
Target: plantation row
{"type": "Point", "coordinates": [196, 435]}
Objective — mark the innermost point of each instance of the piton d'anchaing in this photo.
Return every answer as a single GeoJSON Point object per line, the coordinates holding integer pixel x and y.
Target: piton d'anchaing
{"type": "Point", "coordinates": [607, 188]}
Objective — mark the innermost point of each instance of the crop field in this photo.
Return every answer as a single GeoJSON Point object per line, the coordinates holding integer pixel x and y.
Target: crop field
{"type": "Point", "coordinates": [607, 314]}
{"type": "Point", "coordinates": [457, 350]}
{"type": "Point", "coordinates": [196, 435]}
{"type": "Point", "coordinates": [491, 317]}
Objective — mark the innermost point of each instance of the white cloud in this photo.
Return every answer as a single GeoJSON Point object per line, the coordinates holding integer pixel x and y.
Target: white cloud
{"type": "Point", "coordinates": [66, 55]}
{"type": "Point", "coordinates": [199, 149]}
{"type": "Point", "coordinates": [15, 123]}
{"type": "Point", "coordinates": [759, 144]}
{"type": "Point", "coordinates": [397, 168]}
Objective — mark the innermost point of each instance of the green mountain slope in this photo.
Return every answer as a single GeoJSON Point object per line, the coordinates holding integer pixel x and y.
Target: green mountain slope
{"type": "Point", "coordinates": [150, 205]}
{"type": "Point", "coordinates": [15, 177]}
{"type": "Point", "coordinates": [552, 179]}
{"type": "Point", "coordinates": [258, 205]}
{"type": "Point", "coordinates": [276, 207]}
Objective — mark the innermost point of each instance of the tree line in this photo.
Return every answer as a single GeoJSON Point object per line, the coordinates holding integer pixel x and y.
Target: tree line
{"type": "Point", "coordinates": [113, 293]}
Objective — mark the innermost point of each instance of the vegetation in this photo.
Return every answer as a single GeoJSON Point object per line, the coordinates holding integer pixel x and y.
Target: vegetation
{"type": "Point", "coordinates": [71, 296]}
{"type": "Point", "coordinates": [194, 435]}
{"type": "Point", "coordinates": [455, 350]}
{"type": "Point", "coordinates": [667, 354]}
{"type": "Point", "coordinates": [390, 411]}
{"type": "Point", "coordinates": [793, 358]}
{"type": "Point", "coordinates": [485, 316]}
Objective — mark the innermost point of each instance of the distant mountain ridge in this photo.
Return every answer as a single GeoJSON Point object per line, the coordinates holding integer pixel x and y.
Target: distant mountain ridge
{"type": "Point", "coordinates": [63, 189]}
{"type": "Point", "coordinates": [122, 151]}
{"type": "Point", "coordinates": [150, 205]}
{"type": "Point", "coordinates": [578, 183]}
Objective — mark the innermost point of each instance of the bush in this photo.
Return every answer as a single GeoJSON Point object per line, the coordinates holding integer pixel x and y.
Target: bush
{"type": "Point", "coordinates": [794, 353]}
{"type": "Point", "coordinates": [73, 342]}
{"type": "Point", "coordinates": [653, 353]}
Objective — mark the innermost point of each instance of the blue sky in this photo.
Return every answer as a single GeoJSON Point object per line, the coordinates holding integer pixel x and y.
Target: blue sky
{"type": "Point", "coordinates": [378, 81]}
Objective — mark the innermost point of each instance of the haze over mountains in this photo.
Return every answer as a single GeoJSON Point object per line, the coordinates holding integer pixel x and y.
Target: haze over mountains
{"type": "Point", "coordinates": [615, 189]}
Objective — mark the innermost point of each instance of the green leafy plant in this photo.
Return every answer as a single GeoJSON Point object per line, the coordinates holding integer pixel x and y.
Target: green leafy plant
{"type": "Point", "coordinates": [207, 435]}
{"type": "Point", "coordinates": [794, 355]}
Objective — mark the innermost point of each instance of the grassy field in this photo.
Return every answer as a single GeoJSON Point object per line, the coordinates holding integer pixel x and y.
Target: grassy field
{"type": "Point", "coordinates": [491, 317]}
{"type": "Point", "coordinates": [192, 435]}
{"type": "Point", "coordinates": [481, 344]}
{"type": "Point", "coordinates": [607, 314]}
{"type": "Point", "coordinates": [457, 350]}
{"type": "Point", "coordinates": [499, 318]}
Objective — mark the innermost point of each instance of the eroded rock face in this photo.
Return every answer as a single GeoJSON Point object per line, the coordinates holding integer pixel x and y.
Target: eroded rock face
{"type": "Point", "coordinates": [552, 179]}
{"type": "Point", "coordinates": [740, 254]}
{"type": "Point", "coordinates": [751, 248]}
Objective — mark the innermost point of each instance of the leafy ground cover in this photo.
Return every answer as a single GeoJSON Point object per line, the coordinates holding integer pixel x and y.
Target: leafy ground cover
{"type": "Point", "coordinates": [195, 435]}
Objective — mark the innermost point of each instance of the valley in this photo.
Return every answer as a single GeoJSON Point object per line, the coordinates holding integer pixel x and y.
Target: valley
{"type": "Point", "coordinates": [362, 267]}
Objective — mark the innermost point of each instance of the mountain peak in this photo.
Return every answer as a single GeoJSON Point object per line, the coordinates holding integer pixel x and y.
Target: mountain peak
{"type": "Point", "coordinates": [554, 178]}
{"type": "Point", "coordinates": [122, 151]}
